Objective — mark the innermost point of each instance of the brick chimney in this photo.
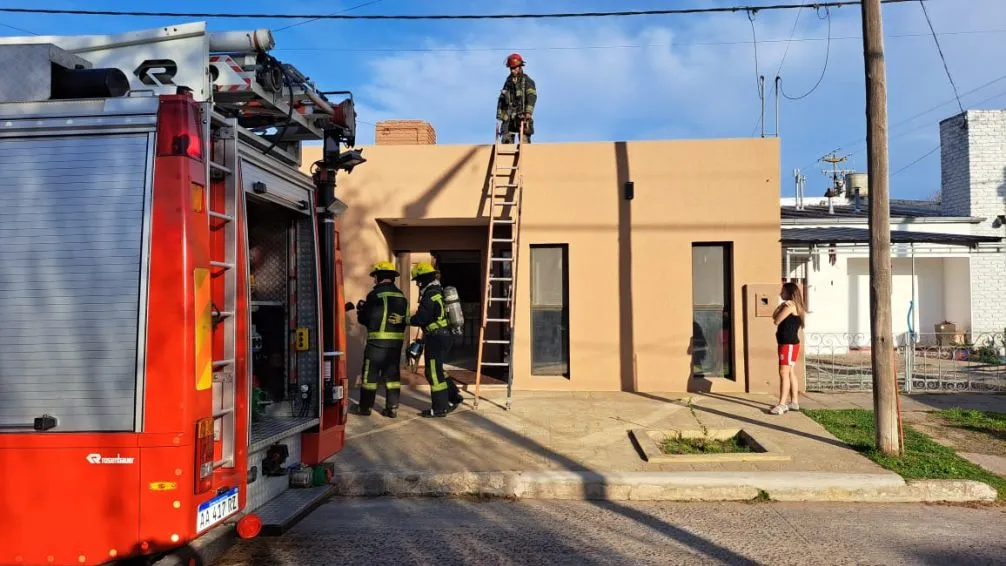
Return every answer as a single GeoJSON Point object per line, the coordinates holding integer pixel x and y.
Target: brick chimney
{"type": "Point", "coordinates": [405, 132]}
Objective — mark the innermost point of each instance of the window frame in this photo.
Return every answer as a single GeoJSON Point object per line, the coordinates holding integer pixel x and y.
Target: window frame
{"type": "Point", "coordinates": [563, 249]}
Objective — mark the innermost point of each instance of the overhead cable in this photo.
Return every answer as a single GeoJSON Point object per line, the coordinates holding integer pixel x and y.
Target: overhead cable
{"type": "Point", "coordinates": [553, 15]}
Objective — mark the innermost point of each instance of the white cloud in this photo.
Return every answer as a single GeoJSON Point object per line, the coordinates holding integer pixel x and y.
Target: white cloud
{"type": "Point", "coordinates": [701, 86]}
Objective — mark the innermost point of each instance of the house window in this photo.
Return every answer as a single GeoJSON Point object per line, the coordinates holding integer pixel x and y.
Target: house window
{"type": "Point", "coordinates": [712, 331]}
{"type": "Point", "coordinates": [550, 310]}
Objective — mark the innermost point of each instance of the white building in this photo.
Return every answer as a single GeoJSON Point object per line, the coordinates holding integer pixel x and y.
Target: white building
{"type": "Point", "coordinates": [948, 257]}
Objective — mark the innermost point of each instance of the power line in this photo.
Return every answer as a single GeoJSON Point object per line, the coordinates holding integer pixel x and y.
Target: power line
{"type": "Point", "coordinates": [357, 7]}
{"type": "Point", "coordinates": [618, 46]}
{"type": "Point", "coordinates": [554, 15]}
{"type": "Point", "coordinates": [919, 160]}
{"type": "Point", "coordinates": [789, 42]}
{"type": "Point", "coordinates": [827, 56]}
{"type": "Point", "coordinates": [930, 152]}
{"type": "Point", "coordinates": [758, 78]}
{"type": "Point", "coordinates": [15, 28]}
{"type": "Point", "coordinates": [852, 144]}
{"type": "Point", "coordinates": [940, 50]}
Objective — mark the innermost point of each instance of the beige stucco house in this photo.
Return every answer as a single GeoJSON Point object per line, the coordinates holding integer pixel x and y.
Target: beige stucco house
{"type": "Point", "coordinates": [653, 293]}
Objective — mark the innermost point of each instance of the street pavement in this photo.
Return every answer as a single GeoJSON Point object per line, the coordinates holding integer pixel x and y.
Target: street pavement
{"type": "Point", "coordinates": [445, 532]}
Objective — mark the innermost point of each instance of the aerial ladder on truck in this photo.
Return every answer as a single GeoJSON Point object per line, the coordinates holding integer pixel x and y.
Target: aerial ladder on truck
{"type": "Point", "coordinates": [128, 162]}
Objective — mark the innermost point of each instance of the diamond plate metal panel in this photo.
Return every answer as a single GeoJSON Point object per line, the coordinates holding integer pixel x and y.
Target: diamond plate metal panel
{"type": "Point", "coordinates": [267, 234]}
{"type": "Point", "coordinates": [265, 488]}
{"type": "Point", "coordinates": [307, 310]}
{"type": "Point", "coordinates": [32, 65]}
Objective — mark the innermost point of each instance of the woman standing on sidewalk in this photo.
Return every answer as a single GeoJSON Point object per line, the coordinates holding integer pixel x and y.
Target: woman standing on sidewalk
{"type": "Point", "coordinates": [788, 318]}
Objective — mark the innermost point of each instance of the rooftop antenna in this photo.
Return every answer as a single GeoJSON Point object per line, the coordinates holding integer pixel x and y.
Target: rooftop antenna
{"type": "Point", "coordinates": [837, 177]}
{"type": "Point", "coordinates": [801, 182]}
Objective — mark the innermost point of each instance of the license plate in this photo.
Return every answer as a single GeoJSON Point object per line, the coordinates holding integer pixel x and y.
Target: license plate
{"type": "Point", "coordinates": [217, 509]}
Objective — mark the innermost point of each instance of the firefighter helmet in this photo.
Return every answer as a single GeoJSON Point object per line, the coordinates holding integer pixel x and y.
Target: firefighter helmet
{"type": "Point", "coordinates": [383, 267]}
{"type": "Point", "coordinates": [422, 268]}
{"type": "Point", "coordinates": [514, 60]}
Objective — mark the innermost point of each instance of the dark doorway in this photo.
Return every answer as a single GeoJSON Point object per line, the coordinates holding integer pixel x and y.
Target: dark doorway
{"type": "Point", "coordinates": [463, 271]}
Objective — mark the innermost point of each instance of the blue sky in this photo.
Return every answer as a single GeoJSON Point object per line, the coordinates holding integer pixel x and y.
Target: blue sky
{"type": "Point", "coordinates": [629, 78]}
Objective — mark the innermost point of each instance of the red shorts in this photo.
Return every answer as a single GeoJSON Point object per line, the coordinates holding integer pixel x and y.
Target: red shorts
{"type": "Point", "coordinates": [788, 354]}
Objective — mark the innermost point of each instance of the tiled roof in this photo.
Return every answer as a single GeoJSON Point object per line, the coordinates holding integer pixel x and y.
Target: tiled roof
{"type": "Point", "coordinates": [846, 209]}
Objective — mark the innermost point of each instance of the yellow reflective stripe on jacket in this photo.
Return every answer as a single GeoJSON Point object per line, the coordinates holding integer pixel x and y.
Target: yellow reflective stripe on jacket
{"type": "Point", "coordinates": [382, 334]}
{"type": "Point", "coordinates": [379, 335]}
{"type": "Point", "coordinates": [441, 321]}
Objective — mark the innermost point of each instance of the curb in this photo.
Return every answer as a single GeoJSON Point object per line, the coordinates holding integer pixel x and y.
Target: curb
{"type": "Point", "coordinates": [661, 486]}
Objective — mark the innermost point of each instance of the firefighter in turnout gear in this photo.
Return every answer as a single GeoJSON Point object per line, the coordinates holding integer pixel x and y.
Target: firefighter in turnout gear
{"type": "Point", "coordinates": [516, 102]}
{"type": "Point", "coordinates": [385, 313]}
{"type": "Point", "coordinates": [431, 317]}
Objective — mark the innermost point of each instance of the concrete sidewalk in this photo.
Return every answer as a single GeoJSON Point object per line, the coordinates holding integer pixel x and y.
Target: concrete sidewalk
{"type": "Point", "coordinates": [578, 445]}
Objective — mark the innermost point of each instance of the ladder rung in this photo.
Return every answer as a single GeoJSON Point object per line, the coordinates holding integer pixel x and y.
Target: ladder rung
{"type": "Point", "coordinates": [501, 279]}
{"type": "Point", "coordinates": [221, 216]}
{"type": "Point", "coordinates": [497, 320]}
{"type": "Point", "coordinates": [508, 186]}
{"type": "Point", "coordinates": [501, 259]}
{"type": "Point", "coordinates": [504, 220]}
{"type": "Point", "coordinates": [495, 341]}
{"type": "Point", "coordinates": [222, 264]}
{"type": "Point", "coordinates": [222, 363]}
{"type": "Point", "coordinates": [224, 314]}
{"type": "Point", "coordinates": [503, 240]}
{"type": "Point", "coordinates": [222, 413]}
{"type": "Point", "coordinates": [497, 364]}
{"type": "Point", "coordinates": [499, 299]}
{"type": "Point", "coordinates": [219, 167]}
{"type": "Point", "coordinates": [506, 203]}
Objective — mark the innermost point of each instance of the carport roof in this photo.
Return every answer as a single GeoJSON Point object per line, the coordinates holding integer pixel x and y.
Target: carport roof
{"type": "Point", "coordinates": [842, 235]}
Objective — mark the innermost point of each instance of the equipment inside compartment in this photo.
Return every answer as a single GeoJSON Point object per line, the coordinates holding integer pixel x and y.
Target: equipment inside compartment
{"type": "Point", "coordinates": [272, 241]}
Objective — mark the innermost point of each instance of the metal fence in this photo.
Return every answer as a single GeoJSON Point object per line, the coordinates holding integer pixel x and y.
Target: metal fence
{"type": "Point", "coordinates": [925, 362]}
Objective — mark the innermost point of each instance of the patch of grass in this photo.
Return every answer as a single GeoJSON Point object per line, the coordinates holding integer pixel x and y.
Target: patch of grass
{"type": "Point", "coordinates": [704, 446]}
{"type": "Point", "coordinates": [987, 422]}
{"type": "Point", "coordinates": [923, 459]}
{"type": "Point", "coordinates": [762, 497]}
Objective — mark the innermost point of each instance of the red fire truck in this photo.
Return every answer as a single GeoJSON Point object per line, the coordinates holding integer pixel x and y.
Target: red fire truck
{"type": "Point", "coordinates": [171, 300]}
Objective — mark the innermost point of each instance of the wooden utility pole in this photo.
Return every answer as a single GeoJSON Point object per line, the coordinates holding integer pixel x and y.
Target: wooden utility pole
{"type": "Point", "coordinates": [884, 377]}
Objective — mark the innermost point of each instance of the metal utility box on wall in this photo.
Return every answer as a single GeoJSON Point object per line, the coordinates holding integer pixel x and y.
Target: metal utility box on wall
{"type": "Point", "coordinates": [764, 305]}
{"type": "Point", "coordinates": [762, 352]}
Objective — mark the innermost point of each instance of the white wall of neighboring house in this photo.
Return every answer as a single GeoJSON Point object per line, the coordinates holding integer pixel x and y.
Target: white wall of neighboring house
{"type": "Point", "coordinates": [957, 292]}
{"type": "Point", "coordinates": [838, 296]}
{"type": "Point", "coordinates": [973, 176]}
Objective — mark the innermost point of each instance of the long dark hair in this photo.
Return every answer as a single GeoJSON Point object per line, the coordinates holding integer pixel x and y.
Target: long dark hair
{"type": "Point", "coordinates": [791, 292]}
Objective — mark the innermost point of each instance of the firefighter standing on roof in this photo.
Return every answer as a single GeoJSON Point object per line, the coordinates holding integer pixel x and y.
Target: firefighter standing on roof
{"type": "Point", "coordinates": [431, 316]}
{"type": "Point", "coordinates": [385, 314]}
{"type": "Point", "coordinates": [516, 102]}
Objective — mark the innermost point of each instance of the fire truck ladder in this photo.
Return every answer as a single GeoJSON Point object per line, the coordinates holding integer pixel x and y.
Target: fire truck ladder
{"type": "Point", "coordinates": [505, 197]}
{"type": "Point", "coordinates": [222, 211]}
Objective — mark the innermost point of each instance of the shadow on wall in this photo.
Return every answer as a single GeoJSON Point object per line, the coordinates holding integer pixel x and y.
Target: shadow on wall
{"type": "Point", "coordinates": [356, 268]}
{"type": "Point", "coordinates": [626, 336]}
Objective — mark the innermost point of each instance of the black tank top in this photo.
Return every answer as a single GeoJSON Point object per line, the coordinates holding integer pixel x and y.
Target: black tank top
{"type": "Point", "coordinates": [788, 330]}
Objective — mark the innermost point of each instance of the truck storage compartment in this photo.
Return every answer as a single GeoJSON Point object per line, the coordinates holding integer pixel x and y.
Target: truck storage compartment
{"type": "Point", "coordinates": [284, 323]}
{"type": "Point", "coordinates": [72, 232]}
